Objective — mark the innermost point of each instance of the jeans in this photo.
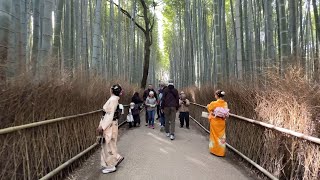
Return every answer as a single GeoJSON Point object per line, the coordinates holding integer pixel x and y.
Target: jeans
{"type": "Point", "coordinates": [151, 117]}
{"type": "Point", "coordinates": [162, 119]}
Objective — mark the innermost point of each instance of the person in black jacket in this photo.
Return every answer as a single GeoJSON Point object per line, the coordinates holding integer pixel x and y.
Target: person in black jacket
{"type": "Point", "coordinates": [170, 105]}
{"type": "Point", "coordinates": [136, 110]}
{"type": "Point", "coordinates": [145, 95]}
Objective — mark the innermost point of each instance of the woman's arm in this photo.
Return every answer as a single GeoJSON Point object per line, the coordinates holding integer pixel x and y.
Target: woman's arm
{"type": "Point", "coordinates": [211, 106]}
{"type": "Point", "coordinates": [187, 102]}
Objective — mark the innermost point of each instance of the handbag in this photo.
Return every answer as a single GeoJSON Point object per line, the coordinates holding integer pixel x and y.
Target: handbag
{"type": "Point", "coordinates": [129, 118]}
{"type": "Point", "coordinates": [204, 114]}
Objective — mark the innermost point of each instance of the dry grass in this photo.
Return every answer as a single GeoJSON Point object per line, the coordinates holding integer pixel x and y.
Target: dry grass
{"type": "Point", "coordinates": [290, 102]}
{"type": "Point", "coordinates": [32, 153]}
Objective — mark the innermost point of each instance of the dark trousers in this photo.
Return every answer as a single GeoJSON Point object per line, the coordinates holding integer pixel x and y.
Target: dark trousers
{"type": "Point", "coordinates": [136, 120]}
{"type": "Point", "coordinates": [184, 116]}
{"type": "Point", "coordinates": [147, 119]}
{"type": "Point", "coordinates": [158, 111]}
{"type": "Point", "coordinates": [170, 118]}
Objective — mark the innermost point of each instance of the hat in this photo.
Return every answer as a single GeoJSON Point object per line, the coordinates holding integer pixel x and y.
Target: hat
{"type": "Point", "coordinates": [182, 92]}
{"type": "Point", "coordinates": [170, 82]}
{"type": "Point", "coordinates": [151, 93]}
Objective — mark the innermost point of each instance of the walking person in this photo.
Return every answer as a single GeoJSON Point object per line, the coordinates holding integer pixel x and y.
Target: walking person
{"type": "Point", "coordinates": [136, 110]}
{"type": "Point", "coordinates": [170, 105]}
{"type": "Point", "coordinates": [162, 116]}
{"type": "Point", "coordinates": [151, 103]}
{"type": "Point", "coordinates": [218, 112]}
{"type": "Point", "coordinates": [145, 95]}
{"type": "Point", "coordinates": [184, 104]}
{"type": "Point", "coordinates": [108, 128]}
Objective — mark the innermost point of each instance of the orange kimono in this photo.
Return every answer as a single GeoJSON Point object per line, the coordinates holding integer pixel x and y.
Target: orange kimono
{"type": "Point", "coordinates": [217, 144]}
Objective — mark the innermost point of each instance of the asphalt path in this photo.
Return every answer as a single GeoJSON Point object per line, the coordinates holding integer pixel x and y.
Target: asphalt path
{"type": "Point", "coordinates": [150, 155]}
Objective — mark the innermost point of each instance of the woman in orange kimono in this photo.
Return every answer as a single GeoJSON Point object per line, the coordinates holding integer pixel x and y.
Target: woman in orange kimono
{"type": "Point", "coordinates": [217, 144]}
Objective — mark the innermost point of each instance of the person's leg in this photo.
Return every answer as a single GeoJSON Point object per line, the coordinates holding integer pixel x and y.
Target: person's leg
{"type": "Point", "coordinates": [153, 112]}
{"type": "Point", "coordinates": [135, 120]}
{"type": "Point", "coordinates": [173, 120]}
{"type": "Point", "coordinates": [162, 120]}
{"type": "Point", "coordinates": [158, 111]}
{"type": "Point", "coordinates": [147, 119]}
{"type": "Point", "coordinates": [187, 119]}
{"type": "Point", "coordinates": [181, 117]}
{"type": "Point", "coordinates": [166, 115]}
{"type": "Point", "coordinates": [138, 119]}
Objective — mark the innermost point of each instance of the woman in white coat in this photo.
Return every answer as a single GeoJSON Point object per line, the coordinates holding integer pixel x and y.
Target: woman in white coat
{"type": "Point", "coordinates": [108, 127]}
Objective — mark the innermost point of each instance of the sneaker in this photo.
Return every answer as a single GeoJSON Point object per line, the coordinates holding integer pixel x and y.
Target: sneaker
{"type": "Point", "coordinates": [146, 124]}
{"type": "Point", "coordinates": [109, 170]}
{"type": "Point", "coordinates": [152, 127]}
{"type": "Point", "coordinates": [172, 137]}
{"type": "Point", "coordinates": [188, 128]}
{"type": "Point", "coordinates": [168, 134]}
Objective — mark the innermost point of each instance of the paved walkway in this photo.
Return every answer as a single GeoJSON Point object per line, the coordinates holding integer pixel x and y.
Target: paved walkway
{"type": "Point", "coordinates": [150, 155]}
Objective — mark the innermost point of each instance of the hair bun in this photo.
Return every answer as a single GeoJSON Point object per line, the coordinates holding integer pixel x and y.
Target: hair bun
{"type": "Point", "coordinates": [116, 89]}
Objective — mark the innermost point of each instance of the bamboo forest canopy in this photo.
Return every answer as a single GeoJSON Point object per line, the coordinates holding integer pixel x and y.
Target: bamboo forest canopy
{"type": "Point", "coordinates": [78, 37]}
{"type": "Point", "coordinates": [212, 41]}
{"type": "Point", "coordinates": [197, 41]}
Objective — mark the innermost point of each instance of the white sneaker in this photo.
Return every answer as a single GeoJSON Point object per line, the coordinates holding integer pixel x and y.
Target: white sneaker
{"type": "Point", "coordinates": [168, 134]}
{"type": "Point", "coordinates": [109, 170]}
{"type": "Point", "coordinates": [172, 137]}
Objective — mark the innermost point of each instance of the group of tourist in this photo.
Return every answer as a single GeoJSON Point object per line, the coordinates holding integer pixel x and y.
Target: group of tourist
{"type": "Point", "coordinates": [166, 102]}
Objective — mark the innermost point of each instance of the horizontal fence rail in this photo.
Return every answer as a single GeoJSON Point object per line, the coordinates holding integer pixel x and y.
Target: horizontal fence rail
{"type": "Point", "coordinates": [270, 126]}
{"type": "Point", "coordinates": [264, 171]}
{"type": "Point", "coordinates": [44, 148]}
{"type": "Point", "coordinates": [66, 164]}
{"type": "Point", "coordinates": [279, 153]}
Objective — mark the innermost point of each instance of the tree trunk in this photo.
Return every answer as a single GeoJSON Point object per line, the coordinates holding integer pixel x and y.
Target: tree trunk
{"type": "Point", "coordinates": [238, 39]}
{"type": "Point", "coordinates": [284, 46]}
{"type": "Point", "coordinates": [147, 44]}
{"type": "Point", "coordinates": [217, 41]}
{"type": "Point", "coordinates": [5, 18]}
{"type": "Point", "coordinates": [36, 36]}
{"type": "Point", "coordinates": [316, 58]}
{"type": "Point", "coordinates": [96, 64]}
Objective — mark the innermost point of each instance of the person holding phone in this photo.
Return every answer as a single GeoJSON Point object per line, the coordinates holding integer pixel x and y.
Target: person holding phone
{"type": "Point", "coordinates": [184, 104]}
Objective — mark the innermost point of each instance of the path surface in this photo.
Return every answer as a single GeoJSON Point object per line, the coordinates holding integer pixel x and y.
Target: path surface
{"type": "Point", "coordinates": [150, 155]}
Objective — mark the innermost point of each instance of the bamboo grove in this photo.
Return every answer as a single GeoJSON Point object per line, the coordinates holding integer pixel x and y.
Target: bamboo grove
{"type": "Point", "coordinates": [72, 37]}
{"type": "Point", "coordinates": [212, 41]}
